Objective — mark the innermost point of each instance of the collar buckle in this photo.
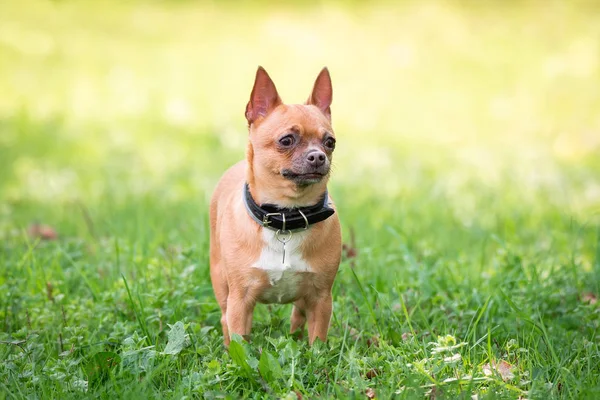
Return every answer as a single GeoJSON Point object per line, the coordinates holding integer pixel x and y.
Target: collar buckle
{"type": "Point", "coordinates": [266, 222]}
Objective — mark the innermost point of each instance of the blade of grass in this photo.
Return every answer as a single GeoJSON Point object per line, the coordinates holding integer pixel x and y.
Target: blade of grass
{"type": "Point", "coordinates": [141, 322]}
{"type": "Point", "coordinates": [369, 306]}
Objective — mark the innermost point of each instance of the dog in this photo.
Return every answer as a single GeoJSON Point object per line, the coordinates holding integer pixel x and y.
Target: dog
{"type": "Point", "coordinates": [274, 231]}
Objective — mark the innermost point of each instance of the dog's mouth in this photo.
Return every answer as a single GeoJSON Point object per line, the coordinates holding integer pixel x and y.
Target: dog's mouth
{"type": "Point", "coordinates": [303, 178]}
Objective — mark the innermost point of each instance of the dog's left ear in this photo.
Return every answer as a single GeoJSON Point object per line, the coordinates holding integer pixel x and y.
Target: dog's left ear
{"type": "Point", "coordinates": [322, 93]}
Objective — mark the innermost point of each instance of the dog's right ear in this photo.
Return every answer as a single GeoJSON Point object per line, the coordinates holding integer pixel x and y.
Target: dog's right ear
{"type": "Point", "coordinates": [263, 98]}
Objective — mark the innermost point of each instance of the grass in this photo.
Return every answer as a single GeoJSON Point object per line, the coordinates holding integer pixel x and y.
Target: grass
{"type": "Point", "coordinates": [466, 175]}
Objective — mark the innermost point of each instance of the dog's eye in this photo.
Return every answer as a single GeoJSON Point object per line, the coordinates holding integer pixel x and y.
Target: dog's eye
{"type": "Point", "coordinates": [287, 141]}
{"type": "Point", "coordinates": [329, 143]}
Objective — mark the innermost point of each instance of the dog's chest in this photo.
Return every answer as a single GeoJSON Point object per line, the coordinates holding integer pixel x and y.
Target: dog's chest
{"type": "Point", "coordinates": [285, 275]}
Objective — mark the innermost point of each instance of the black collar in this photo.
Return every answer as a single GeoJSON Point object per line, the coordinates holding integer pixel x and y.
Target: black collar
{"type": "Point", "coordinates": [287, 219]}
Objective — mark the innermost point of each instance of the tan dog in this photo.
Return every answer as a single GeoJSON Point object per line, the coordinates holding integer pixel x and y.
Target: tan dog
{"type": "Point", "coordinates": [274, 237]}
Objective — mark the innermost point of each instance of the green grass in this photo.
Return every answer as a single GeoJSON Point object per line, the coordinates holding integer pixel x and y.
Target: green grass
{"type": "Point", "coordinates": [467, 169]}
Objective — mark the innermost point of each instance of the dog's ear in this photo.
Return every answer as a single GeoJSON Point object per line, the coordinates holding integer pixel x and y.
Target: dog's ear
{"type": "Point", "coordinates": [263, 98]}
{"type": "Point", "coordinates": [322, 93]}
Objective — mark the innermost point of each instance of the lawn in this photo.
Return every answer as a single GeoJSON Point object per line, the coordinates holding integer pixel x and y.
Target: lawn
{"type": "Point", "coordinates": [467, 178]}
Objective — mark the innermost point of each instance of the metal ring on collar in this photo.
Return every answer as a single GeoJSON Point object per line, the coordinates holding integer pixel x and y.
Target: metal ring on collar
{"type": "Point", "coordinates": [283, 236]}
{"type": "Point", "coordinates": [305, 219]}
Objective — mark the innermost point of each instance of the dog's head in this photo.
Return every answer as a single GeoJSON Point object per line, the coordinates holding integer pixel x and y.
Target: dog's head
{"type": "Point", "coordinates": [291, 146]}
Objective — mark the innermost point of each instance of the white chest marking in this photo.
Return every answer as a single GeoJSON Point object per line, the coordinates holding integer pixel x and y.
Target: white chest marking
{"type": "Point", "coordinates": [283, 277]}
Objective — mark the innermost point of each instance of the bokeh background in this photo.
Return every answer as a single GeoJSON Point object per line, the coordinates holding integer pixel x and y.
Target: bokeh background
{"type": "Point", "coordinates": [466, 174]}
{"type": "Point", "coordinates": [500, 89]}
{"type": "Point", "coordinates": [470, 109]}
{"type": "Point", "coordinates": [485, 115]}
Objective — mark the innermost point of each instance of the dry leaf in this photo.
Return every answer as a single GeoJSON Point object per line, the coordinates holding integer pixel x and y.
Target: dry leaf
{"type": "Point", "coordinates": [349, 251]}
{"type": "Point", "coordinates": [354, 334]}
{"type": "Point", "coordinates": [432, 393]}
{"type": "Point", "coordinates": [43, 232]}
{"type": "Point", "coordinates": [503, 368]}
{"type": "Point", "coordinates": [373, 341]}
{"type": "Point", "coordinates": [589, 298]}
{"type": "Point", "coordinates": [372, 373]}
{"type": "Point", "coordinates": [406, 336]}
{"type": "Point", "coordinates": [487, 369]}
{"type": "Point", "coordinates": [370, 392]}
{"type": "Point", "coordinates": [49, 290]}
{"type": "Point", "coordinates": [298, 394]}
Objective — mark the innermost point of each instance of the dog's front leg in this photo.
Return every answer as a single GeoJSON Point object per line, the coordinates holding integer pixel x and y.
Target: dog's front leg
{"type": "Point", "coordinates": [319, 315]}
{"type": "Point", "coordinates": [240, 307]}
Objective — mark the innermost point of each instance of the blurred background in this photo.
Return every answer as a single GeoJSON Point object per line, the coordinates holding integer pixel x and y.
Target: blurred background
{"type": "Point", "coordinates": [470, 109]}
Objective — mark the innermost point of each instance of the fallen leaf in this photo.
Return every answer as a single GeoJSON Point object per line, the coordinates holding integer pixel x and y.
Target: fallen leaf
{"type": "Point", "coordinates": [432, 393]}
{"type": "Point", "coordinates": [370, 392]}
{"type": "Point", "coordinates": [298, 394]}
{"type": "Point", "coordinates": [589, 298]}
{"type": "Point", "coordinates": [349, 251]}
{"type": "Point", "coordinates": [406, 336]}
{"type": "Point", "coordinates": [373, 341]}
{"type": "Point", "coordinates": [49, 289]}
{"type": "Point", "coordinates": [43, 232]}
{"type": "Point", "coordinates": [354, 334]}
{"type": "Point", "coordinates": [372, 373]}
{"type": "Point", "coordinates": [503, 368]}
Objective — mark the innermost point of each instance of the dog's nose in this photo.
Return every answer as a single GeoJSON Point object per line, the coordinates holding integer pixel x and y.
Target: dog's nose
{"type": "Point", "coordinates": [316, 158]}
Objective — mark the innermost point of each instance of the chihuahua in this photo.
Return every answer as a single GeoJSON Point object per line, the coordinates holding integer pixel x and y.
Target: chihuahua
{"type": "Point", "coordinates": [274, 233]}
